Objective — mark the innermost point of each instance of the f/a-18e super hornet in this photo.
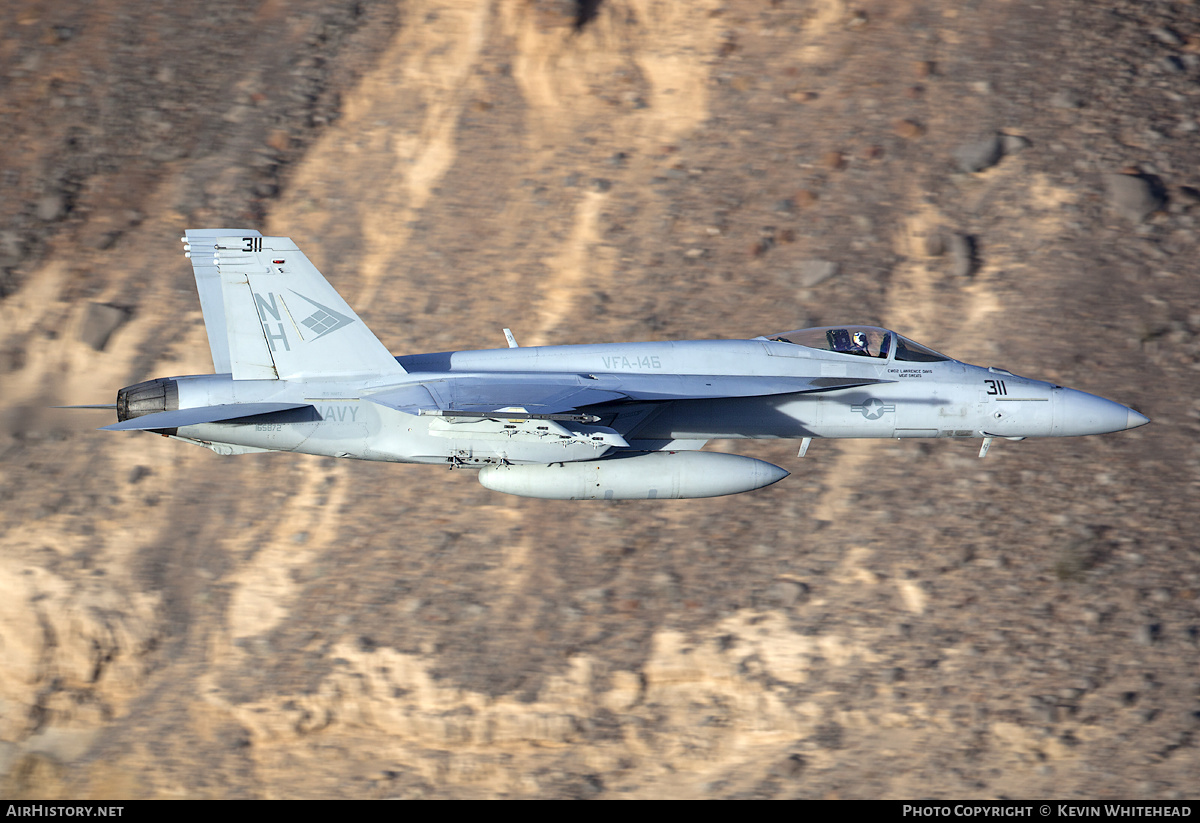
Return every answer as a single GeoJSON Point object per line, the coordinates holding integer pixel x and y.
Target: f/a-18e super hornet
{"type": "Point", "coordinates": [296, 370]}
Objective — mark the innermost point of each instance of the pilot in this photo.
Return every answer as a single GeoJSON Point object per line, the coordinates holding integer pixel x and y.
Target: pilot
{"type": "Point", "coordinates": [858, 344]}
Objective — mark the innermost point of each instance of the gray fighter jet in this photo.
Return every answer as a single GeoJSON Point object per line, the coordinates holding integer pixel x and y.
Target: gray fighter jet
{"type": "Point", "coordinates": [298, 371]}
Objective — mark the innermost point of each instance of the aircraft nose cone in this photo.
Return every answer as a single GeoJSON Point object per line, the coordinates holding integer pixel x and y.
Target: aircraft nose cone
{"type": "Point", "coordinates": [1078, 413]}
{"type": "Point", "coordinates": [1136, 420]}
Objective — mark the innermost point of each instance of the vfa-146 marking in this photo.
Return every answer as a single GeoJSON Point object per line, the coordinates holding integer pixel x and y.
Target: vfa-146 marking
{"type": "Point", "coordinates": [297, 370]}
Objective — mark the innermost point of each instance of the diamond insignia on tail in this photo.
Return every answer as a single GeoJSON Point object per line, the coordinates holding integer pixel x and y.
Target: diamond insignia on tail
{"type": "Point", "coordinates": [324, 320]}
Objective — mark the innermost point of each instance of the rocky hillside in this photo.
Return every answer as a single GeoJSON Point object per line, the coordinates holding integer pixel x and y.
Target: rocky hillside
{"type": "Point", "coordinates": [1013, 183]}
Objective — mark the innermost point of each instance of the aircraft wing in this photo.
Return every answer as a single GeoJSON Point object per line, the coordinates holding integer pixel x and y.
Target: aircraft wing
{"type": "Point", "coordinates": [550, 393]}
{"type": "Point", "coordinates": [203, 414]}
{"type": "Point", "coordinates": [537, 394]}
{"type": "Point", "coordinates": [712, 386]}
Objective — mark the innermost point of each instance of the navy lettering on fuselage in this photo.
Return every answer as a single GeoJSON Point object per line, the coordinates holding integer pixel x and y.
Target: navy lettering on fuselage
{"type": "Point", "coordinates": [338, 414]}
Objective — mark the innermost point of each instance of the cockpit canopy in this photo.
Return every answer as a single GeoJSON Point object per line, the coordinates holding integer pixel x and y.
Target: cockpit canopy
{"type": "Point", "coordinates": [865, 341]}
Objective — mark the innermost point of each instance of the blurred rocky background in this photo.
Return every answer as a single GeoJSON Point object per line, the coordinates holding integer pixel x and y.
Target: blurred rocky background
{"type": "Point", "coordinates": [1014, 183]}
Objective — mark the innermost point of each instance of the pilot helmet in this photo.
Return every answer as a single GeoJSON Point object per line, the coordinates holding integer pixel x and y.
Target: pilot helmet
{"type": "Point", "coordinates": [860, 339]}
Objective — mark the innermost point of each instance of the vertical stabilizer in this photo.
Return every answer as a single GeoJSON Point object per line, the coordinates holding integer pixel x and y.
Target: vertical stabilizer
{"type": "Point", "coordinates": [282, 319]}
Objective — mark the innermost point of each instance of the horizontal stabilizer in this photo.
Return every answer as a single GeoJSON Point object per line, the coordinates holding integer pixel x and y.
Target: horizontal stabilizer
{"type": "Point", "coordinates": [203, 414]}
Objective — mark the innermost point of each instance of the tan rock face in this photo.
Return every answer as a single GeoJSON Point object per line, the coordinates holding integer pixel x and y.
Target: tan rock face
{"type": "Point", "coordinates": [892, 620]}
